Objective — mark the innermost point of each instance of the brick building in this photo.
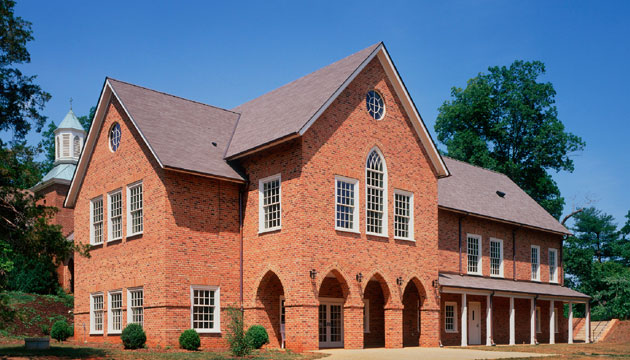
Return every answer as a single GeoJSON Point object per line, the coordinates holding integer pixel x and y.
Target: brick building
{"type": "Point", "coordinates": [314, 208]}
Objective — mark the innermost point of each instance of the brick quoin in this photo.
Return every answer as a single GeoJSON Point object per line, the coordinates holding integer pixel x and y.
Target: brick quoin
{"type": "Point", "coordinates": [192, 236]}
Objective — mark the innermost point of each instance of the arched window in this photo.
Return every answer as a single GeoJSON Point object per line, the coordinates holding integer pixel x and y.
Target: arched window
{"type": "Point", "coordinates": [76, 146]}
{"type": "Point", "coordinates": [376, 194]}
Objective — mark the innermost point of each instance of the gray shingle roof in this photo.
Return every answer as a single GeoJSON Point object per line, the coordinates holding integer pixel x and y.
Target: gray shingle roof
{"type": "Point", "coordinates": [474, 190]}
{"type": "Point", "coordinates": [284, 111]}
{"type": "Point", "coordinates": [508, 285]}
{"type": "Point", "coordinates": [181, 133]}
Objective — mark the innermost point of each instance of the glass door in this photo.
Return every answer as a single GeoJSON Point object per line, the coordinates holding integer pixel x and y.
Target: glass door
{"type": "Point", "coordinates": [330, 324]}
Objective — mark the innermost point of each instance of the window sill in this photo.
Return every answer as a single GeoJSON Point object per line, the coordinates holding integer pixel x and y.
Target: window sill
{"type": "Point", "coordinates": [553, 282]}
{"type": "Point", "coordinates": [474, 273]}
{"type": "Point", "coordinates": [451, 331]}
{"type": "Point", "coordinates": [403, 239]}
{"type": "Point", "coordinates": [347, 230]}
{"type": "Point", "coordinates": [206, 331]}
{"type": "Point", "coordinates": [114, 332]}
{"type": "Point", "coordinates": [500, 276]}
{"type": "Point", "coordinates": [535, 280]}
{"type": "Point", "coordinates": [377, 235]}
{"type": "Point", "coordinates": [114, 240]}
{"type": "Point", "coordinates": [269, 230]}
{"type": "Point", "coordinates": [134, 234]}
{"type": "Point", "coordinates": [96, 333]}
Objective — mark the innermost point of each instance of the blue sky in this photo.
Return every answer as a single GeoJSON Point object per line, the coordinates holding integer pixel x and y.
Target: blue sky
{"type": "Point", "coordinates": [227, 53]}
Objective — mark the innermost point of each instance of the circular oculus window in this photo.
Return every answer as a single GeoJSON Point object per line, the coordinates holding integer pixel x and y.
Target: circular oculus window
{"type": "Point", "coordinates": [114, 137]}
{"type": "Point", "coordinates": [375, 104]}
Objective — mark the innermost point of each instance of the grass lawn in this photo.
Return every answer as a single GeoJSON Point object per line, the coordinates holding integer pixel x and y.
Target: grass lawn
{"type": "Point", "coordinates": [566, 351]}
{"type": "Point", "coordinates": [101, 351]}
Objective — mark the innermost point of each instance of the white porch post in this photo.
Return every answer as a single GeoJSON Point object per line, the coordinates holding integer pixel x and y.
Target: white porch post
{"type": "Point", "coordinates": [587, 325]}
{"type": "Point", "coordinates": [464, 322]}
{"type": "Point", "coordinates": [488, 320]}
{"type": "Point", "coordinates": [570, 323]}
{"type": "Point", "coordinates": [532, 323]}
{"type": "Point", "coordinates": [512, 322]}
{"type": "Point", "coordinates": [552, 322]}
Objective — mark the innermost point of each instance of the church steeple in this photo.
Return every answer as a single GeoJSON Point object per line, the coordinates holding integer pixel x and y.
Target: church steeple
{"type": "Point", "coordinates": [69, 138]}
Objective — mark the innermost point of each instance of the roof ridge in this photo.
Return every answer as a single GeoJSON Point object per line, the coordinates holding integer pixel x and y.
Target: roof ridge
{"type": "Point", "coordinates": [477, 166]}
{"type": "Point", "coordinates": [171, 95]}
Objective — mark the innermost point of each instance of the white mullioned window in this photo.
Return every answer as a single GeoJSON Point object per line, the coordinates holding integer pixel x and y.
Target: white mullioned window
{"type": "Point", "coordinates": [96, 221]}
{"type": "Point", "coordinates": [450, 317]}
{"type": "Point", "coordinates": [346, 204]}
{"type": "Point", "coordinates": [96, 313]}
{"type": "Point", "coordinates": [403, 215]}
{"type": "Point", "coordinates": [135, 306]}
{"type": "Point", "coordinates": [553, 265]}
{"type": "Point", "coordinates": [535, 260]}
{"type": "Point", "coordinates": [114, 216]}
{"type": "Point", "coordinates": [135, 203]}
{"type": "Point", "coordinates": [114, 315]}
{"type": "Point", "coordinates": [473, 245]}
{"type": "Point", "coordinates": [376, 194]}
{"type": "Point", "coordinates": [205, 309]}
{"type": "Point", "coordinates": [496, 257]}
{"type": "Point", "coordinates": [366, 315]}
{"type": "Point", "coordinates": [270, 203]}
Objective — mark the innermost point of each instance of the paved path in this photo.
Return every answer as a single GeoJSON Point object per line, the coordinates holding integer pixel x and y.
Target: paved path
{"type": "Point", "coordinates": [422, 353]}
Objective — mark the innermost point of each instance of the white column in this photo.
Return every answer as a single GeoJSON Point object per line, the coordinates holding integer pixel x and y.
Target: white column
{"type": "Point", "coordinates": [488, 321]}
{"type": "Point", "coordinates": [552, 322]}
{"type": "Point", "coordinates": [570, 323]}
{"type": "Point", "coordinates": [464, 321]}
{"type": "Point", "coordinates": [532, 323]}
{"type": "Point", "coordinates": [587, 324]}
{"type": "Point", "coordinates": [512, 322]}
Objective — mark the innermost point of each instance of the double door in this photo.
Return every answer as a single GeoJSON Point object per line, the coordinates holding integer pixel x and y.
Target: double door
{"type": "Point", "coordinates": [330, 324]}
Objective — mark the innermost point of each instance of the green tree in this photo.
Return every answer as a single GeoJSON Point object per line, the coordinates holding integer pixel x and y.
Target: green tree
{"type": "Point", "coordinates": [48, 139]}
{"type": "Point", "coordinates": [506, 121]}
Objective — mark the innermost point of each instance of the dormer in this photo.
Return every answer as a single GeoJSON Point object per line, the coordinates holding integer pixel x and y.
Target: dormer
{"type": "Point", "coordinates": [69, 138]}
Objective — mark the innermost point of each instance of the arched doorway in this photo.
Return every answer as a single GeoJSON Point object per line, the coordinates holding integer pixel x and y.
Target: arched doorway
{"type": "Point", "coordinates": [375, 296]}
{"type": "Point", "coordinates": [332, 295]}
{"type": "Point", "coordinates": [412, 305]}
{"type": "Point", "coordinates": [270, 304]}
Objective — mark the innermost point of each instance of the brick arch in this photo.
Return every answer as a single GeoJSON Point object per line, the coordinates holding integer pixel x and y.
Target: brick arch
{"type": "Point", "coordinates": [387, 290]}
{"type": "Point", "coordinates": [412, 299]}
{"type": "Point", "coordinates": [418, 283]}
{"type": "Point", "coordinates": [266, 272]}
{"type": "Point", "coordinates": [341, 278]}
{"type": "Point", "coordinates": [268, 304]}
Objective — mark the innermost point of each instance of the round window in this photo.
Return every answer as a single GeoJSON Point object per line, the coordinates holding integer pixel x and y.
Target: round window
{"type": "Point", "coordinates": [375, 104]}
{"type": "Point", "coordinates": [114, 137]}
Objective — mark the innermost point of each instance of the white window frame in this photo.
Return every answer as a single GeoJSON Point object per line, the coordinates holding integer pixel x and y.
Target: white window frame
{"type": "Point", "coordinates": [261, 199]}
{"type": "Point", "coordinates": [536, 276]}
{"type": "Point", "coordinates": [130, 307]}
{"type": "Point", "coordinates": [553, 277]}
{"type": "Point", "coordinates": [357, 205]}
{"type": "Point", "coordinates": [92, 311]}
{"type": "Point", "coordinates": [93, 224]}
{"type": "Point", "coordinates": [366, 316]}
{"type": "Point", "coordinates": [110, 313]}
{"type": "Point", "coordinates": [411, 234]}
{"type": "Point", "coordinates": [110, 229]}
{"type": "Point", "coordinates": [217, 308]}
{"type": "Point", "coordinates": [454, 305]}
{"type": "Point", "coordinates": [479, 255]}
{"type": "Point", "coordinates": [385, 226]}
{"type": "Point", "coordinates": [130, 231]}
{"type": "Point", "coordinates": [500, 242]}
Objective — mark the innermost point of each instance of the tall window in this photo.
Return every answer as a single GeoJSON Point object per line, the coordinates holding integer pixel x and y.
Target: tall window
{"type": "Point", "coordinates": [376, 184]}
{"type": "Point", "coordinates": [403, 215]}
{"type": "Point", "coordinates": [135, 219]}
{"type": "Point", "coordinates": [65, 141]}
{"type": "Point", "coordinates": [76, 146]}
{"type": "Point", "coordinates": [346, 204]}
{"type": "Point", "coordinates": [135, 306]}
{"type": "Point", "coordinates": [535, 262]}
{"type": "Point", "coordinates": [450, 317]}
{"type": "Point", "coordinates": [115, 312]}
{"type": "Point", "coordinates": [96, 220]}
{"type": "Point", "coordinates": [115, 215]}
{"type": "Point", "coordinates": [496, 257]}
{"type": "Point", "coordinates": [205, 308]}
{"type": "Point", "coordinates": [474, 254]}
{"type": "Point", "coordinates": [96, 314]}
{"type": "Point", "coordinates": [270, 209]}
{"type": "Point", "coordinates": [553, 265]}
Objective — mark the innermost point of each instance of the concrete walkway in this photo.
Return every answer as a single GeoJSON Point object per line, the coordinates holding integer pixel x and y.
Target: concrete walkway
{"type": "Point", "coordinates": [422, 353]}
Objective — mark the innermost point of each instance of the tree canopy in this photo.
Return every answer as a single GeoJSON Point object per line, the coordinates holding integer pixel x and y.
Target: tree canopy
{"type": "Point", "coordinates": [506, 121]}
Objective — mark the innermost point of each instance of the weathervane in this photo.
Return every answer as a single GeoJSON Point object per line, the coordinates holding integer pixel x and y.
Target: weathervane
{"type": "Point", "coordinates": [70, 103]}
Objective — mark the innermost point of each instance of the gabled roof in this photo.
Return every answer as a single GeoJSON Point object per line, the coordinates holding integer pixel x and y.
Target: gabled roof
{"type": "Point", "coordinates": [70, 121]}
{"type": "Point", "coordinates": [472, 189]}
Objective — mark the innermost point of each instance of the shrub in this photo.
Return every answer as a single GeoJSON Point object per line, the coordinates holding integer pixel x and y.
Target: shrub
{"type": "Point", "coordinates": [61, 330]}
{"type": "Point", "coordinates": [257, 336]}
{"type": "Point", "coordinates": [45, 329]}
{"type": "Point", "coordinates": [133, 337]}
{"type": "Point", "coordinates": [239, 344]}
{"type": "Point", "coordinates": [189, 340]}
